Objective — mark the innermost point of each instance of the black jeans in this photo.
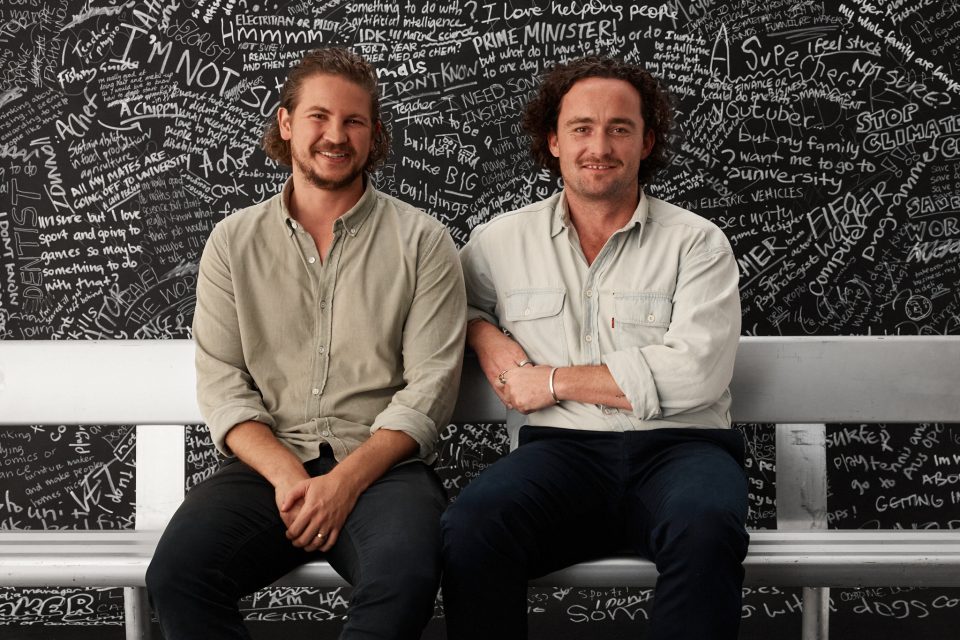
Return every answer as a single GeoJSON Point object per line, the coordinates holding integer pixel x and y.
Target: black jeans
{"type": "Point", "coordinates": [227, 540]}
{"type": "Point", "coordinates": [676, 496]}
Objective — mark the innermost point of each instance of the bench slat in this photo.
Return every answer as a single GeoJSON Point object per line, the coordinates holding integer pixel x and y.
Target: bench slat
{"type": "Point", "coordinates": [890, 379]}
{"type": "Point", "coordinates": [813, 558]}
{"type": "Point", "coordinates": [774, 380]}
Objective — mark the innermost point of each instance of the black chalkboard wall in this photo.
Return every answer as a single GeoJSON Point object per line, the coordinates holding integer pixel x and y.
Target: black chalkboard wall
{"type": "Point", "coordinates": [824, 138]}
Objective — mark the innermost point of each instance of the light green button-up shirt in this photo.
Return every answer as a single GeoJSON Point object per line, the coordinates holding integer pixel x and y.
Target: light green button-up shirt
{"type": "Point", "coordinates": [330, 351]}
{"type": "Point", "coordinates": [659, 306]}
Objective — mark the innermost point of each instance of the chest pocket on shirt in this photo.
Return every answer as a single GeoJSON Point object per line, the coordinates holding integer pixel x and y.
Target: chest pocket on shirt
{"type": "Point", "coordinates": [641, 318]}
{"type": "Point", "coordinates": [533, 317]}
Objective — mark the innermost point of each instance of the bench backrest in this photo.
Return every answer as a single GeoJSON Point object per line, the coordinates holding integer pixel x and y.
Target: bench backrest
{"type": "Point", "coordinates": [788, 381]}
{"type": "Point", "coordinates": [779, 380]}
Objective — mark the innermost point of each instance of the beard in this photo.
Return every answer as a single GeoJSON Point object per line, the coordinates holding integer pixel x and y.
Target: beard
{"type": "Point", "coordinates": [622, 186]}
{"type": "Point", "coordinates": [324, 182]}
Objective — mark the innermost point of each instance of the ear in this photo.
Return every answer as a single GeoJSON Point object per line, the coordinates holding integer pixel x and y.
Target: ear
{"type": "Point", "coordinates": [377, 138]}
{"type": "Point", "coordinates": [649, 141]}
{"type": "Point", "coordinates": [283, 121]}
{"type": "Point", "coordinates": [552, 142]}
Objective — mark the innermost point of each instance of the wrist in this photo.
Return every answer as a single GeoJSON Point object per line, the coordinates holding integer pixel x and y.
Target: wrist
{"type": "Point", "coordinates": [286, 481]}
{"type": "Point", "coordinates": [552, 387]}
{"type": "Point", "coordinates": [348, 483]}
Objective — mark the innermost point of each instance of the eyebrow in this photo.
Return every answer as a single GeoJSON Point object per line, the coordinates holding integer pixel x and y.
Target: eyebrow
{"type": "Point", "coordinates": [588, 120]}
{"type": "Point", "coordinates": [324, 110]}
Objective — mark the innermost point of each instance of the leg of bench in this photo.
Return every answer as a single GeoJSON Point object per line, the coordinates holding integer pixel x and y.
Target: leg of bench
{"type": "Point", "coordinates": [801, 477]}
{"type": "Point", "coordinates": [136, 610]}
{"type": "Point", "coordinates": [816, 613]}
{"type": "Point", "coordinates": [802, 505]}
{"type": "Point", "coordinates": [161, 458]}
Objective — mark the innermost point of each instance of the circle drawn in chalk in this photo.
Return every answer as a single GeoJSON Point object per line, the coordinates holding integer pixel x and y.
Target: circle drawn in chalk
{"type": "Point", "coordinates": [918, 307]}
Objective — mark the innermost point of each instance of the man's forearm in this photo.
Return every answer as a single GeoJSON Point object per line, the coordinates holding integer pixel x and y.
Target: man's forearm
{"type": "Point", "coordinates": [482, 336]}
{"type": "Point", "coordinates": [496, 352]}
{"type": "Point", "coordinates": [527, 389]}
{"type": "Point", "coordinates": [591, 384]}
{"type": "Point", "coordinates": [255, 444]}
{"type": "Point", "coordinates": [373, 458]}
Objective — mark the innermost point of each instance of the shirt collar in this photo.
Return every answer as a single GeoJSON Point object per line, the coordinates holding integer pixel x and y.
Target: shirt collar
{"type": "Point", "coordinates": [350, 222]}
{"type": "Point", "coordinates": [561, 216]}
{"type": "Point", "coordinates": [639, 219]}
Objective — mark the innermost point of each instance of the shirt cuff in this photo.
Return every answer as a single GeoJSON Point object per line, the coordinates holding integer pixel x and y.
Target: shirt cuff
{"type": "Point", "coordinates": [631, 373]}
{"type": "Point", "coordinates": [413, 423]}
{"type": "Point", "coordinates": [226, 418]}
{"type": "Point", "coordinates": [474, 313]}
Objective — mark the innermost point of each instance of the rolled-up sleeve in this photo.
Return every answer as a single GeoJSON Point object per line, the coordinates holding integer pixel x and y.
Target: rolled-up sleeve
{"type": "Point", "coordinates": [693, 366]}
{"type": "Point", "coordinates": [433, 341]}
{"type": "Point", "coordinates": [226, 393]}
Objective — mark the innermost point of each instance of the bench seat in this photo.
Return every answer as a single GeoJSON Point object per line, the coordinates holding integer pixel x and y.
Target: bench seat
{"type": "Point", "coordinates": [776, 558]}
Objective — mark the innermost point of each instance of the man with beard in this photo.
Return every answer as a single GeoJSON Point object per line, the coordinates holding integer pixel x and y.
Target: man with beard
{"type": "Point", "coordinates": [329, 329]}
{"type": "Point", "coordinates": [623, 316]}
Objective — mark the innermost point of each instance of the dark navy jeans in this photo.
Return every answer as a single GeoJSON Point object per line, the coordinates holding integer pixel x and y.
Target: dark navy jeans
{"type": "Point", "coordinates": [227, 540]}
{"type": "Point", "coordinates": [675, 496]}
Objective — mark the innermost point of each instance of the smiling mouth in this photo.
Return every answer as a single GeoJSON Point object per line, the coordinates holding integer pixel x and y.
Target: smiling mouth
{"type": "Point", "coordinates": [334, 155]}
{"type": "Point", "coordinates": [598, 167]}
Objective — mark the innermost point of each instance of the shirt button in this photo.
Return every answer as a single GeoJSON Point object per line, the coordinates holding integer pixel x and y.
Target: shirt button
{"type": "Point", "coordinates": [608, 411]}
{"type": "Point", "coordinates": [651, 318]}
{"type": "Point", "coordinates": [588, 338]}
{"type": "Point", "coordinates": [589, 293]}
{"type": "Point", "coordinates": [326, 433]}
{"type": "Point", "coordinates": [526, 312]}
{"type": "Point", "coordinates": [311, 259]}
{"type": "Point", "coordinates": [316, 392]}
{"type": "Point", "coordinates": [323, 304]}
{"type": "Point", "coordinates": [322, 349]}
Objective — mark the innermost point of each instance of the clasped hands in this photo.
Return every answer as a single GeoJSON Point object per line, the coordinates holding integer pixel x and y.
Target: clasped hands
{"type": "Point", "coordinates": [518, 382]}
{"type": "Point", "coordinates": [527, 387]}
{"type": "Point", "coordinates": [314, 511]}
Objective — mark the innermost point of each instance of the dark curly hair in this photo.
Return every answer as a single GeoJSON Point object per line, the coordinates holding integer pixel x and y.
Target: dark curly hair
{"type": "Point", "coordinates": [541, 113]}
{"type": "Point", "coordinates": [334, 61]}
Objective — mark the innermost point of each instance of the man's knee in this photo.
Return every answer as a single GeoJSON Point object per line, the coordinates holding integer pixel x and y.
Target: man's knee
{"type": "Point", "coordinates": [459, 518]}
{"type": "Point", "coordinates": [391, 560]}
{"type": "Point", "coordinates": [706, 532]}
{"type": "Point", "coordinates": [473, 517]}
{"type": "Point", "coordinates": [412, 578]}
{"type": "Point", "coordinates": [165, 575]}
{"type": "Point", "coordinates": [486, 532]}
{"type": "Point", "coordinates": [157, 577]}
{"type": "Point", "coordinates": [410, 586]}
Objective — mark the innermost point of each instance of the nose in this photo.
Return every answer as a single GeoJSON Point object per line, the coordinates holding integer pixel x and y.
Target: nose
{"type": "Point", "coordinates": [335, 132]}
{"type": "Point", "coordinates": [599, 144]}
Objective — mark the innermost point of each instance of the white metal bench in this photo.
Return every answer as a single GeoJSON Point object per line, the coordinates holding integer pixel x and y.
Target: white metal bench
{"type": "Point", "coordinates": [797, 383]}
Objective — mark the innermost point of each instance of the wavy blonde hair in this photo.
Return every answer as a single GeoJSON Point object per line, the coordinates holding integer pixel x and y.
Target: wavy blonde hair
{"type": "Point", "coordinates": [338, 62]}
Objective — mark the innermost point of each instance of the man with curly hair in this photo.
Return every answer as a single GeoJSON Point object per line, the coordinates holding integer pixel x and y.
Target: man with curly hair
{"type": "Point", "coordinates": [329, 330]}
{"type": "Point", "coordinates": [610, 319]}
